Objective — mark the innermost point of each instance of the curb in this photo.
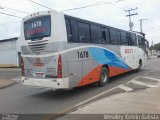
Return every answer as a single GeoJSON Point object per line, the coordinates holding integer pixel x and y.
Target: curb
{"type": "Point", "coordinates": [6, 83]}
{"type": "Point", "coordinates": [151, 57]}
{"type": "Point", "coordinates": [10, 69]}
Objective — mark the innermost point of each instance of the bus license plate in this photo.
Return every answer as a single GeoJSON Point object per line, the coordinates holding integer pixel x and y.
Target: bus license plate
{"type": "Point", "coordinates": [39, 74]}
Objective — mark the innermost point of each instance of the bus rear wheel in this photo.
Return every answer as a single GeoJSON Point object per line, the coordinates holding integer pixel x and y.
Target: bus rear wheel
{"type": "Point", "coordinates": [139, 66]}
{"type": "Point", "coordinates": [103, 77]}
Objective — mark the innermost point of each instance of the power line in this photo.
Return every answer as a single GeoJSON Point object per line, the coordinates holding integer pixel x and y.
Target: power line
{"type": "Point", "coordinates": [93, 4]}
{"type": "Point", "coordinates": [10, 15]}
{"type": "Point", "coordinates": [40, 4]}
{"type": "Point", "coordinates": [1, 7]}
{"type": "Point", "coordinates": [10, 23]}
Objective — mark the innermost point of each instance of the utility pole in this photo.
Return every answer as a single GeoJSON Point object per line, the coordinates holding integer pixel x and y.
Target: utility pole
{"type": "Point", "coordinates": [141, 21]}
{"type": "Point", "coordinates": [129, 15]}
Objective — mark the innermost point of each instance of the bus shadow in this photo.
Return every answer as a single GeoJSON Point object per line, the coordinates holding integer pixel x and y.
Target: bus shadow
{"type": "Point", "coordinates": [121, 76]}
{"type": "Point", "coordinates": [63, 94]}
{"type": "Point", "coordinates": [125, 77]}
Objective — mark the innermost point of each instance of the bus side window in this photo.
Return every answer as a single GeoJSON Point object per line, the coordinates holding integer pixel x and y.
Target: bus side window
{"type": "Point", "coordinates": [95, 34]}
{"type": "Point", "coordinates": [74, 31]}
{"type": "Point", "coordinates": [113, 36]}
{"type": "Point", "coordinates": [133, 40]}
{"type": "Point", "coordinates": [103, 35]}
{"type": "Point", "coordinates": [118, 37]}
{"type": "Point", "coordinates": [68, 28]}
{"type": "Point", "coordinates": [107, 36]}
{"type": "Point", "coordinates": [143, 41]}
{"type": "Point", "coordinates": [123, 38]}
{"type": "Point", "coordinates": [140, 41]}
{"type": "Point", "coordinates": [84, 32]}
{"type": "Point", "coordinates": [128, 38]}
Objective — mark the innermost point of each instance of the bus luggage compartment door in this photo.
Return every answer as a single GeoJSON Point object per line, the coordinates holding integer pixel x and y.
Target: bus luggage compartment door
{"type": "Point", "coordinates": [75, 73]}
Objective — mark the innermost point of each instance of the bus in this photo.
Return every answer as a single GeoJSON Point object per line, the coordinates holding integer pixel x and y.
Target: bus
{"type": "Point", "coordinates": [62, 52]}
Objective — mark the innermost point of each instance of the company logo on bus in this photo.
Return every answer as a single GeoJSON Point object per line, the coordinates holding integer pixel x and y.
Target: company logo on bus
{"type": "Point", "coordinates": [128, 50]}
{"type": "Point", "coordinates": [38, 62]}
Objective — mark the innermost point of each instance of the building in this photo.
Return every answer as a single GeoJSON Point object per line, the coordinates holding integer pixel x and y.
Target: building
{"type": "Point", "coordinates": [154, 52]}
{"type": "Point", "coordinates": [10, 52]}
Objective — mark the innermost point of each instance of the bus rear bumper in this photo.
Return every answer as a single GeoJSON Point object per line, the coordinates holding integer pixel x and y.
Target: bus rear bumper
{"type": "Point", "coordinates": [57, 83]}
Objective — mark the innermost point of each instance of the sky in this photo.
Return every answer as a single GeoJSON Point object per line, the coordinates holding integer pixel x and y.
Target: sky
{"type": "Point", "coordinates": [112, 14]}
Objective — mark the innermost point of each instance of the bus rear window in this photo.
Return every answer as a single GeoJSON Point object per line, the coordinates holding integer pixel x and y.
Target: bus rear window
{"type": "Point", "coordinates": [37, 28]}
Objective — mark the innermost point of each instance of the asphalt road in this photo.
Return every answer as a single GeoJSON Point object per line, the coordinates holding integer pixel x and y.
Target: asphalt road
{"type": "Point", "coordinates": [8, 73]}
{"type": "Point", "coordinates": [19, 99]}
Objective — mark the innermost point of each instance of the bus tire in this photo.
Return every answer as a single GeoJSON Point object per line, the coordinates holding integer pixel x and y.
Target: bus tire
{"type": "Point", "coordinates": [139, 66]}
{"type": "Point", "coordinates": [104, 77]}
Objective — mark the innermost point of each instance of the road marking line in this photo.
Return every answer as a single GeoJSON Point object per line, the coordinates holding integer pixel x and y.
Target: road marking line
{"type": "Point", "coordinates": [125, 88]}
{"type": "Point", "coordinates": [134, 79]}
{"type": "Point", "coordinates": [146, 74]}
{"type": "Point", "coordinates": [85, 101]}
{"type": "Point", "coordinates": [141, 83]}
{"type": "Point", "coordinates": [119, 86]}
{"type": "Point", "coordinates": [151, 78]}
{"type": "Point", "coordinates": [152, 70]}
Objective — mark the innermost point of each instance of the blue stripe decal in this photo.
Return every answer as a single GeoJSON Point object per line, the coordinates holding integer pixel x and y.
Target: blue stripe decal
{"type": "Point", "coordinates": [104, 56]}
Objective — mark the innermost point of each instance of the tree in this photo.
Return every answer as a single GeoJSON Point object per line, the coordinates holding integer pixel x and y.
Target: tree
{"type": "Point", "coordinates": [155, 47]}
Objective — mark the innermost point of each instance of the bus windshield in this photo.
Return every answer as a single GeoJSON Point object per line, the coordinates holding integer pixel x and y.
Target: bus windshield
{"type": "Point", "coordinates": [37, 28]}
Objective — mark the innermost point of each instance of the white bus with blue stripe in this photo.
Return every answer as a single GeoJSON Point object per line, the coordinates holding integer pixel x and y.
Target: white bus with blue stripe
{"type": "Point", "coordinates": [63, 52]}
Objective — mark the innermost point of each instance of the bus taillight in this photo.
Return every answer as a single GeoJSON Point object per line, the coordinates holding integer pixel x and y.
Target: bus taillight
{"type": "Point", "coordinates": [59, 67]}
{"type": "Point", "coordinates": [22, 67]}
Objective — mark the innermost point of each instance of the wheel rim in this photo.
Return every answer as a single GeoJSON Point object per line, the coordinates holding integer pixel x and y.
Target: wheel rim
{"type": "Point", "coordinates": [140, 65]}
{"type": "Point", "coordinates": [104, 77]}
